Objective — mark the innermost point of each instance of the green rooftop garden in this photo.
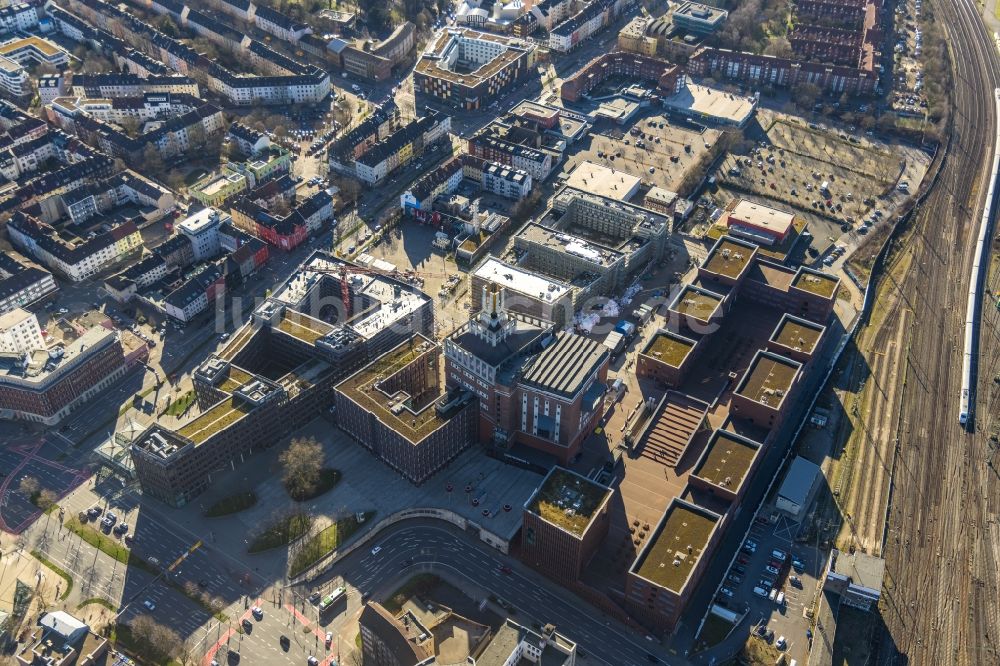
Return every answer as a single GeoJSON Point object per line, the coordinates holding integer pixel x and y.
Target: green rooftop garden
{"type": "Point", "coordinates": [676, 547]}
{"type": "Point", "coordinates": [220, 416]}
{"type": "Point", "coordinates": [568, 500]}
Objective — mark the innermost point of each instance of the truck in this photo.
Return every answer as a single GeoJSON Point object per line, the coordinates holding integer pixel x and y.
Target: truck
{"type": "Point", "coordinates": [615, 342]}
{"type": "Point", "coordinates": [626, 328]}
{"type": "Point", "coordinates": [332, 598]}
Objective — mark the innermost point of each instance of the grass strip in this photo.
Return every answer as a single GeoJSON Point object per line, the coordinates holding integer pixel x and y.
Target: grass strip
{"type": "Point", "coordinates": [59, 571]}
{"type": "Point", "coordinates": [327, 540]}
{"type": "Point", "coordinates": [99, 601]}
{"type": "Point", "coordinates": [180, 405]}
{"type": "Point", "coordinates": [281, 532]}
{"type": "Point", "coordinates": [198, 599]}
{"type": "Point", "coordinates": [107, 545]}
{"type": "Point", "coordinates": [232, 504]}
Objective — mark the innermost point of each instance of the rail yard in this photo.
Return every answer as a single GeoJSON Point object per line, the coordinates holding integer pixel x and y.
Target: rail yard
{"type": "Point", "coordinates": [941, 602]}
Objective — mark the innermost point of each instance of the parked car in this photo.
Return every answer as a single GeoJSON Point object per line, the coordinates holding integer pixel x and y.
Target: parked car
{"type": "Point", "coordinates": [771, 570]}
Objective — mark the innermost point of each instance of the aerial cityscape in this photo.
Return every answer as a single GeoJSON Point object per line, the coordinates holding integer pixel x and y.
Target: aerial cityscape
{"type": "Point", "coordinates": [522, 333]}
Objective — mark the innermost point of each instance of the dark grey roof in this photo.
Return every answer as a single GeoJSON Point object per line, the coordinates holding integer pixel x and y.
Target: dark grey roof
{"type": "Point", "coordinates": [799, 480]}
{"type": "Point", "coordinates": [521, 341]}
{"type": "Point", "coordinates": [565, 366]}
{"type": "Point", "coordinates": [392, 143]}
{"type": "Point", "coordinates": [389, 632]}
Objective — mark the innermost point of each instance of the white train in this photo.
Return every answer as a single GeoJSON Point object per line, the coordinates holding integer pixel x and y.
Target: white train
{"type": "Point", "coordinates": [980, 262]}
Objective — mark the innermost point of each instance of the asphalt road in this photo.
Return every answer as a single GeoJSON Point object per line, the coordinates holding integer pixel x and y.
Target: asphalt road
{"type": "Point", "coordinates": [434, 548]}
{"type": "Point", "coordinates": [159, 543]}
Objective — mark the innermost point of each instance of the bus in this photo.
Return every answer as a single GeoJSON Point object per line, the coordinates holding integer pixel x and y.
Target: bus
{"type": "Point", "coordinates": [332, 598]}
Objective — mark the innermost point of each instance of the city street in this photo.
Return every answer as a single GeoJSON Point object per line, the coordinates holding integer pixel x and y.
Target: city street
{"type": "Point", "coordinates": [434, 548]}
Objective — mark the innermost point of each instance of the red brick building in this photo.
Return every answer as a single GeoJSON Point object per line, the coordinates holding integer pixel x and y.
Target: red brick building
{"type": "Point", "coordinates": [765, 70]}
{"type": "Point", "coordinates": [667, 76]}
{"type": "Point", "coordinates": [565, 522]}
{"type": "Point", "coordinates": [45, 388]}
{"type": "Point", "coordinates": [545, 396]}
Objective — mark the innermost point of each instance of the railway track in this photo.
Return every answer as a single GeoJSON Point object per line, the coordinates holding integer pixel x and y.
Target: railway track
{"type": "Point", "coordinates": [941, 603]}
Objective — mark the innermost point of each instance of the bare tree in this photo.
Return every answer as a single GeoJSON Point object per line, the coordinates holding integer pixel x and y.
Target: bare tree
{"type": "Point", "coordinates": [154, 639]}
{"type": "Point", "coordinates": [46, 498]}
{"type": "Point", "coordinates": [350, 189]}
{"type": "Point", "coordinates": [302, 463]}
{"type": "Point", "coordinates": [28, 486]}
{"type": "Point", "coordinates": [779, 47]}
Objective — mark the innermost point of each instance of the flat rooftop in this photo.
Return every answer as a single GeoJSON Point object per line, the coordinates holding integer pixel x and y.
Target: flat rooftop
{"type": "Point", "coordinates": [711, 103]}
{"type": "Point", "coordinates": [528, 107]}
{"type": "Point", "coordinates": [815, 282]}
{"type": "Point", "coordinates": [797, 334]}
{"type": "Point", "coordinates": [434, 61]}
{"type": "Point", "coordinates": [772, 220]}
{"type": "Point", "coordinates": [729, 257]}
{"type": "Point", "coordinates": [519, 280]}
{"type": "Point", "coordinates": [218, 417]}
{"type": "Point", "coordinates": [773, 275]}
{"type": "Point", "coordinates": [768, 379]}
{"type": "Point", "coordinates": [235, 378]}
{"type": "Point", "coordinates": [215, 183]}
{"type": "Point", "coordinates": [603, 181]}
{"type": "Point", "coordinates": [569, 244]}
{"type": "Point", "coordinates": [361, 388]}
{"type": "Point", "coordinates": [727, 460]}
{"type": "Point", "coordinates": [395, 308]}
{"type": "Point", "coordinates": [568, 500]}
{"type": "Point", "coordinates": [45, 47]}
{"type": "Point", "coordinates": [696, 303]}
{"type": "Point", "coordinates": [679, 541]}
{"type": "Point", "coordinates": [303, 327]}
{"type": "Point", "coordinates": [669, 348]}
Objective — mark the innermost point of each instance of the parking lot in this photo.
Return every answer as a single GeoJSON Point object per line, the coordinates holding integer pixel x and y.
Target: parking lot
{"type": "Point", "coordinates": [837, 179]}
{"type": "Point", "coordinates": [907, 91]}
{"type": "Point", "coordinates": [670, 151]}
{"type": "Point", "coordinates": [761, 578]}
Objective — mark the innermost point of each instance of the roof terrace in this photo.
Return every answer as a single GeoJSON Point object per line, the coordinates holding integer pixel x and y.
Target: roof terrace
{"type": "Point", "coordinates": [679, 541]}
{"type": "Point", "coordinates": [568, 500]}
{"type": "Point", "coordinates": [769, 379]}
